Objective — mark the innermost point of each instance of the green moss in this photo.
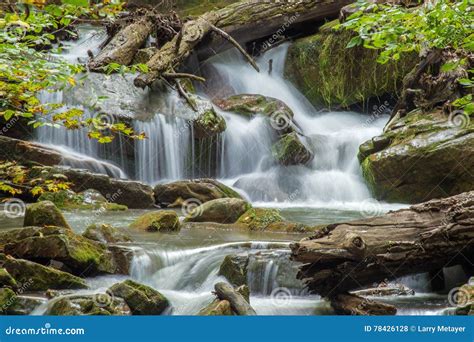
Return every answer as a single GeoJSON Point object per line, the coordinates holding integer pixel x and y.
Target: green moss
{"type": "Point", "coordinates": [259, 218]}
{"type": "Point", "coordinates": [68, 200]}
{"type": "Point", "coordinates": [44, 214]}
{"type": "Point", "coordinates": [289, 150]}
{"type": "Point", "coordinates": [7, 299]}
{"type": "Point", "coordinates": [162, 221]}
{"type": "Point", "coordinates": [198, 7]}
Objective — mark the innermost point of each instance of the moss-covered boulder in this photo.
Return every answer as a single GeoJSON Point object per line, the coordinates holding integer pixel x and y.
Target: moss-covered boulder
{"type": "Point", "coordinates": [330, 74]}
{"type": "Point", "coordinates": [177, 193]}
{"type": "Point", "coordinates": [208, 124]}
{"type": "Point", "coordinates": [89, 305]}
{"type": "Point", "coordinates": [250, 105]}
{"type": "Point", "coordinates": [158, 221]}
{"type": "Point", "coordinates": [222, 210]}
{"type": "Point", "coordinates": [36, 277]}
{"type": "Point", "coordinates": [105, 233]}
{"type": "Point", "coordinates": [23, 305]}
{"type": "Point", "coordinates": [234, 268]}
{"type": "Point", "coordinates": [217, 308]}
{"type": "Point", "coordinates": [291, 150]}
{"type": "Point", "coordinates": [44, 214]}
{"type": "Point", "coordinates": [44, 245]}
{"type": "Point", "coordinates": [7, 300]}
{"type": "Point", "coordinates": [6, 280]}
{"type": "Point", "coordinates": [142, 299]}
{"type": "Point", "coordinates": [87, 200]}
{"type": "Point", "coordinates": [420, 157]}
{"type": "Point", "coordinates": [260, 218]}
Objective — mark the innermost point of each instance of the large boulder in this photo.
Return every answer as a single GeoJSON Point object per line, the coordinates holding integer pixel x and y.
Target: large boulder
{"type": "Point", "coordinates": [260, 218]}
{"type": "Point", "coordinates": [234, 268]}
{"type": "Point", "coordinates": [158, 221]}
{"type": "Point", "coordinates": [142, 299]}
{"type": "Point", "coordinates": [420, 157]}
{"type": "Point", "coordinates": [217, 308]}
{"type": "Point", "coordinates": [290, 149]}
{"type": "Point", "coordinates": [330, 74]}
{"type": "Point", "coordinates": [208, 124]}
{"type": "Point", "coordinates": [105, 233]}
{"type": "Point", "coordinates": [101, 304]}
{"type": "Point", "coordinates": [47, 245]}
{"type": "Point", "coordinates": [179, 193]}
{"type": "Point", "coordinates": [43, 214]}
{"type": "Point", "coordinates": [87, 200]}
{"type": "Point", "coordinates": [222, 210]}
{"type": "Point", "coordinates": [36, 277]}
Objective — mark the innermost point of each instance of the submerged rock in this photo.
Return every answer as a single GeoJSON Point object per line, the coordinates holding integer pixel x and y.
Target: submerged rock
{"type": "Point", "coordinates": [328, 73]}
{"type": "Point", "coordinates": [75, 253]}
{"type": "Point", "coordinates": [36, 277]}
{"type": "Point", "coordinates": [87, 305]}
{"type": "Point", "coordinates": [222, 210]}
{"type": "Point", "coordinates": [142, 299]}
{"type": "Point", "coordinates": [176, 194]}
{"type": "Point", "coordinates": [291, 150]}
{"type": "Point", "coordinates": [158, 221]}
{"type": "Point", "coordinates": [217, 308]}
{"type": "Point", "coordinates": [234, 268]}
{"type": "Point", "coordinates": [44, 214]}
{"type": "Point", "coordinates": [208, 124]}
{"type": "Point", "coordinates": [420, 157]}
{"type": "Point", "coordinates": [105, 233]}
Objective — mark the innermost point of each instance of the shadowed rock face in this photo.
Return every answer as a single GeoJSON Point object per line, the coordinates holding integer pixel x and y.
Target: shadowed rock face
{"type": "Point", "coordinates": [420, 157]}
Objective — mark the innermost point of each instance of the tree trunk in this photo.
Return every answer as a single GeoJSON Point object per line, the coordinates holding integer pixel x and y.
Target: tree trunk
{"type": "Point", "coordinates": [245, 21]}
{"type": "Point", "coordinates": [348, 304]}
{"type": "Point", "coordinates": [423, 238]}
{"type": "Point", "coordinates": [238, 303]}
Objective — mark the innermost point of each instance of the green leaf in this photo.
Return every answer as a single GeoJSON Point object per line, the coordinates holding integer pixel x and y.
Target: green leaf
{"type": "Point", "coordinates": [449, 66]}
{"type": "Point", "coordinates": [78, 3]}
{"type": "Point", "coordinates": [356, 41]}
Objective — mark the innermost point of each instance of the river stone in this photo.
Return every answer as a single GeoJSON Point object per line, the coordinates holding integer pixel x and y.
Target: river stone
{"type": "Point", "coordinates": [197, 191]}
{"type": "Point", "coordinates": [88, 305]}
{"type": "Point", "coordinates": [6, 280]}
{"type": "Point", "coordinates": [222, 210]}
{"type": "Point", "coordinates": [58, 245]}
{"type": "Point", "coordinates": [142, 299]}
{"type": "Point", "coordinates": [7, 300]}
{"type": "Point", "coordinates": [420, 157]}
{"type": "Point", "coordinates": [24, 305]}
{"type": "Point", "coordinates": [36, 277]}
{"type": "Point", "coordinates": [291, 150]}
{"type": "Point", "coordinates": [234, 268]}
{"type": "Point", "coordinates": [217, 308]}
{"type": "Point", "coordinates": [208, 124]}
{"type": "Point", "coordinates": [44, 213]}
{"type": "Point", "coordinates": [329, 74]}
{"type": "Point", "coordinates": [158, 221]}
{"type": "Point", "coordinates": [260, 218]}
{"type": "Point", "coordinates": [105, 233]}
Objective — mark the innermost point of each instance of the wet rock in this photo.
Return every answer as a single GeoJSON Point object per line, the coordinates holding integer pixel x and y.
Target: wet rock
{"type": "Point", "coordinates": [208, 124]}
{"type": "Point", "coordinates": [329, 74]}
{"type": "Point", "coordinates": [464, 298]}
{"type": "Point", "coordinates": [197, 191]}
{"type": "Point", "coordinates": [7, 300]}
{"type": "Point", "coordinates": [105, 233]}
{"type": "Point", "coordinates": [158, 221]}
{"type": "Point", "coordinates": [222, 210]}
{"type": "Point", "coordinates": [123, 257]}
{"type": "Point", "coordinates": [260, 218]}
{"type": "Point", "coordinates": [55, 245]}
{"type": "Point", "coordinates": [234, 268]}
{"type": "Point", "coordinates": [6, 280]}
{"type": "Point", "coordinates": [27, 152]}
{"type": "Point", "coordinates": [291, 150]}
{"type": "Point", "coordinates": [44, 214]}
{"type": "Point", "coordinates": [87, 200]}
{"type": "Point", "coordinates": [24, 305]}
{"type": "Point", "coordinates": [217, 308]}
{"type": "Point", "coordinates": [142, 299]}
{"type": "Point", "coordinates": [240, 306]}
{"type": "Point", "coordinates": [244, 292]}
{"type": "Point", "coordinates": [36, 277]}
{"type": "Point", "coordinates": [418, 158]}
{"type": "Point", "coordinates": [89, 305]}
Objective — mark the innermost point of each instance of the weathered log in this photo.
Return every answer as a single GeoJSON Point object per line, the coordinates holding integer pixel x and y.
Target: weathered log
{"type": "Point", "coordinates": [425, 237]}
{"type": "Point", "coordinates": [398, 290]}
{"type": "Point", "coordinates": [244, 21]}
{"type": "Point", "coordinates": [124, 45]}
{"type": "Point", "coordinates": [348, 304]}
{"type": "Point", "coordinates": [238, 303]}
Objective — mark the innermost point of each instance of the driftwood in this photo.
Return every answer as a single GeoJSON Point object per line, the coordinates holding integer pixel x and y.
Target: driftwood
{"type": "Point", "coordinates": [234, 25]}
{"type": "Point", "coordinates": [348, 304]}
{"type": "Point", "coordinates": [238, 303]}
{"type": "Point", "coordinates": [423, 238]}
{"type": "Point", "coordinates": [397, 290]}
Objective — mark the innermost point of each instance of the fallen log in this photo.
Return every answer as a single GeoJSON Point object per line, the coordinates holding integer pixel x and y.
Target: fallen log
{"type": "Point", "coordinates": [348, 304]}
{"type": "Point", "coordinates": [233, 25]}
{"type": "Point", "coordinates": [238, 303]}
{"type": "Point", "coordinates": [425, 237]}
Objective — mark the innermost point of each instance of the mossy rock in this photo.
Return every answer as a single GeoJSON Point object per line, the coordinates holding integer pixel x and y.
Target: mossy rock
{"type": "Point", "coordinates": [260, 218]}
{"type": "Point", "coordinates": [142, 299]}
{"type": "Point", "coordinates": [158, 221]}
{"type": "Point", "coordinates": [105, 233]}
{"type": "Point", "coordinates": [208, 124]}
{"type": "Point", "coordinates": [62, 199]}
{"type": "Point", "coordinates": [234, 268]}
{"type": "Point", "coordinates": [87, 200]}
{"type": "Point", "coordinates": [290, 150]}
{"type": "Point", "coordinates": [222, 210]}
{"type": "Point", "coordinates": [420, 157]}
{"type": "Point", "coordinates": [250, 105]}
{"type": "Point", "coordinates": [217, 308]}
{"type": "Point", "coordinates": [89, 305]}
{"type": "Point", "coordinates": [8, 299]}
{"type": "Point", "coordinates": [43, 214]}
{"type": "Point", "coordinates": [6, 280]}
{"type": "Point", "coordinates": [36, 277]}
{"type": "Point", "coordinates": [330, 74]}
